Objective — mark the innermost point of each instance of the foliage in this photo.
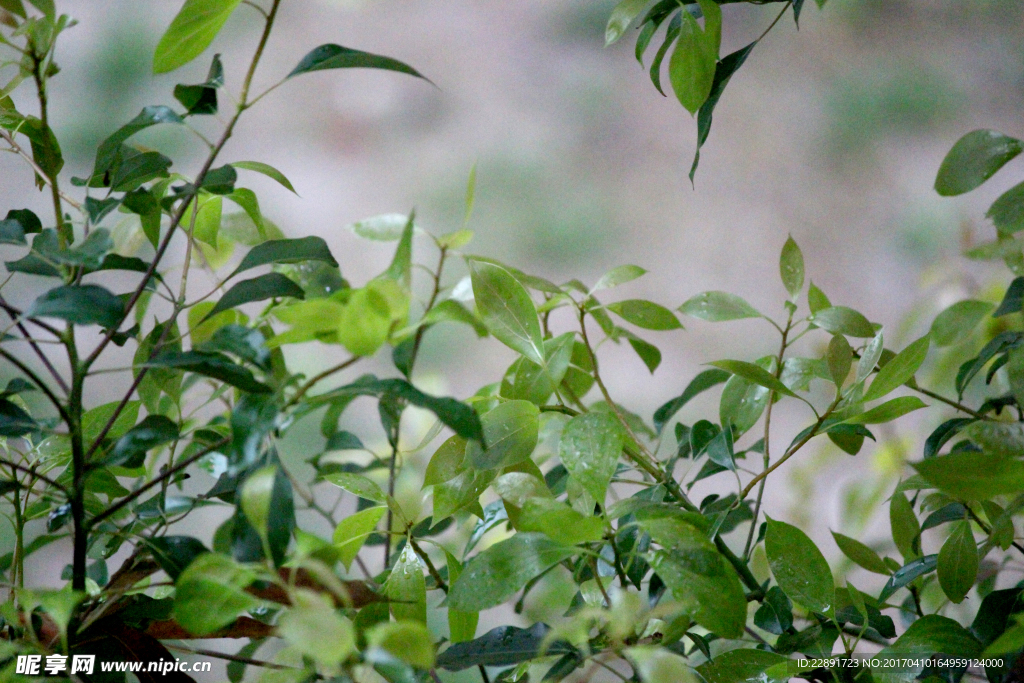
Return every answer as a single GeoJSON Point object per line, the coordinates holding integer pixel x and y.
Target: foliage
{"type": "Point", "coordinates": [543, 476]}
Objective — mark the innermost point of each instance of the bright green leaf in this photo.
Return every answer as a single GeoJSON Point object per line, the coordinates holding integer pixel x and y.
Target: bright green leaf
{"type": "Point", "coordinates": [718, 306]}
{"type": "Point", "coordinates": [974, 159]}
{"type": "Point", "coordinates": [507, 310]}
{"type": "Point", "coordinates": [899, 370]}
{"type": "Point", "coordinates": [193, 29]}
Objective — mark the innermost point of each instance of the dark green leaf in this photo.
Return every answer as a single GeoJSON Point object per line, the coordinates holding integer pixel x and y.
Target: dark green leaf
{"type": "Point", "coordinates": [724, 70]}
{"type": "Point", "coordinates": [590, 447]}
{"type": "Point", "coordinates": [648, 353]}
{"type": "Point", "coordinates": [699, 384]}
{"type": "Point", "coordinates": [973, 160]}
{"type": "Point", "coordinates": [840, 359]}
{"type": "Point", "coordinates": [1013, 301]}
{"type": "Point", "coordinates": [907, 573]}
{"type": "Point", "coordinates": [98, 208]}
{"type": "Point", "coordinates": [943, 433]}
{"type": "Point", "coordinates": [849, 437]}
{"type": "Point", "coordinates": [14, 421]}
{"type": "Point", "coordinates": [947, 513]}
{"type": "Point", "coordinates": [332, 56]}
{"type": "Point", "coordinates": [755, 374]}
{"type": "Point", "coordinates": [45, 147]}
{"type": "Point", "coordinates": [175, 553]}
{"type": "Point", "coordinates": [993, 615]}
{"type": "Point", "coordinates": [775, 614]}
{"type": "Point", "coordinates": [80, 305]}
{"type": "Point", "coordinates": [193, 29]}
{"type": "Point", "coordinates": [740, 666]}
{"type": "Point", "coordinates": [799, 567]}
{"type": "Point", "coordinates": [493, 576]}
{"type": "Point", "coordinates": [510, 433]}
{"type": "Point", "coordinates": [202, 98]}
{"type": "Point", "coordinates": [149, 116]}
{"type": "Point", "coordinates": [502, 646]}
{"type": "Point", "coordinates": [287, 251]}
{"type": "Point", "coordinates": [906, 530]}
{"type": "Point", "coordinates": [220, 180]}
{"type": "Point", "coordinates": [131, 168]}
{"type": "Point", "coordinates": [889, 411]}
{"type": "Point", "coordinates": [692, 65]}
{"type": "Point", "coordinates": [265, 169]}
{"type": "Point", "coordinates": [130, 450]}
{"type": "Point", "coordinates": [143, 203]}
{"type": "Point", "coordinates": [957, 566]}
{"type": "Point", "coordinates": [931, 634]}
{"type": "Point", "coordinates": [343, 440]}
{"type": "Point", "coordinates": [1007, 213]}
{"type": "Point", "coordinates": [260, 288]}
{"type": "Point", "coordinates": [215, 365]}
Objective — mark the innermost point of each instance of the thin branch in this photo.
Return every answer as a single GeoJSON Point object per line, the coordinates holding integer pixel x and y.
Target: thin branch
{"type": "Point", "coordinates": [297, 396]}
{"type": "Point", "coordinates": [230, 658]}
{"type": "Point", "coordinates": [430, 565]}
{"type": "Point", "coordinates": [31, 472]}
{"type": "Point", "coordinates": [16, 148]}
{"type": "Point", "coordinates": [959, 406]}
{"type": "Point", "coordinates": [39, 352]}
{"type": "Point", "coordinates": [39, 383]}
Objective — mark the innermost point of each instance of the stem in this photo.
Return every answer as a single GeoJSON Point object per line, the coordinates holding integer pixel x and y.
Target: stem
{"type": "Point", "coordinates": [166, 474]}
{"type": "Point", "coordinates": [391, 493]}
{"type": "Point", "coordinates": [318, 378]}
{"type": "Point", "coordinates": [78, 460]}
{"type": "Point", "coordinates": [17, 149]}
{"type": "Point", "coordinates": [35, 475]}
{"type": "Point", "coordinates": [64, 233]}
{"type": "Point", "coordinates": [430, 565]}
{"type": "Point", "coordinates": [959, 406]}
{"type": "Point", "coordinates": [767, 434]}
{"type": "Point", "coordinates": [430, 304]}
{"type": "Point", "coordinates": [28, 372]}
{"type": "Point", "coordinates": [772, 25]}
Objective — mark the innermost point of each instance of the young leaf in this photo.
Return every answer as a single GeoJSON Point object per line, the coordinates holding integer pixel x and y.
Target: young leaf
{"type": "Point", "coordinates": [791, 267]}
{"type": "Point", "coordinates": [332, 56]}
{"type": "Point", "coordinates": [357, 485]}
{"type": "Point", "coordinates": [494, 575]}
{"type": "Point", "coordinates": [191, 32]}
{"type": "Point", "coordinates": [958, 562]}
{"type": "Point", "coordinates": [507, 310]}
{"type": "Point", "coordinates": [974, 159]}
{"type": "Point", "coordinates": [618, 276]}
{"type": "Point", "coordinates": [406, 588]}
{"type": "Point", "coordinates": [210, 594]}
{"type": "Point", "coordinates": [861, 554]}
{"type": "Point", "coordinates": [899, 370]}
{"type": "Point", "coordinates": [351, 532]}
{"type": "Point", "coordinates": [799, 567]}
{"type": "Point", "coordinates": [724, 71]}
{"type": "Point", "coordinates": [869, 357]}
{"type": "Point", "coordinates": [315, 629]}
{"type": "Point", "coordinates": [256, 497]}
{"type": "Point", "coordinates": [622, 16]}
{"type": "Point", "coordinates": [645, 314]}
{"type": "Point", "coordinates": [461, 625]}
{"type": "Point", "coordinates": [590, 448]}
{"type": "Point", "coordinates": [755, 374]}
{"type": "Point", "coordinates": [80, 305]}
{"type": "Point", "coordinates": [718, 306]}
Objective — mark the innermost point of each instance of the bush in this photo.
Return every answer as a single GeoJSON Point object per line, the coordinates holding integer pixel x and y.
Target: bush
{"type": "Point", "coordinates": [567, 485]}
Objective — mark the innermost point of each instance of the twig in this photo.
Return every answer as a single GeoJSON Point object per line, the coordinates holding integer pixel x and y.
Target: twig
{"type": "Point", "coordinates": [230, 658]}
{"type": "Point", "coordinates": [16, 148]}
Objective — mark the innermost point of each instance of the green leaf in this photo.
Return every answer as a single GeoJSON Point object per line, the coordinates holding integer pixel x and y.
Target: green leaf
{"type": "Point", "coordinates": [755, 374]}
{"type": "Point", "coordinates": [494, 575]}
{"type": "Point", "coordinates": [973, 160]}
{"type": "Point", "coordinates": [799, 567]}
{"type": "Point", "coordinates": [201, 98]}
{"type": "Point", "coordinates": [351, 532]}
{"type": "Point", "coordinates": [269, 286]}
{"type": "Point", "coordinates": [958, 562]}
{"type": "Point", "coordinates": [590, 448]}
{"type": "Point", "coordinates": [816, 299]}
{"type": "Point", "coordinates": [843, 320]}
{"type": "Point", "coordinates": [648, 353]}
{"type": "Point", "coordinates": [724, 71]}
{"type": "Point", "coordinates": [451, 310]}
{"type": "Point", "coordinates": [740, 666]}
{"type": "Point", "coordinates": [861, 554]}
{"type": "Point", "coordinates": [191, 32]}
{"type": "Point", "coordinates": [691, 68]}
{"type": "Point", "coordinates": [510, 433]}
{"type": "Point", "coordinates": [267, 170]}
{"type": "Point", "coordinates": [869, 357]}
{"type": "Point", "coordinates": [645, 314]}
{"type": "Point", "coordinates": [315, 629]}
{"type": "Point", "coordinates": [175, 553]}
{"type": "Point", "coordinates": [775, 614]}
{"type": "Point", "coordinates": [929, 635]}
{"type": "Point", "coordinates": [507, 310]}
{"type": "Point", "coordinates": [210, 364]}
{"type": "Point", "coordinates": [501, 646]}
{"type": "Point", "coordinates": [387, 227]}
{"type": "Point", "coordinates": [742, 404]}
{"type": "Point", "coordinates": [208, 219]}
{"type": "Point", "coordinates": [14, 421]}
{"type": "Point", "coordinates": [1007, 213]}
{"type": "Point", "coordinates": [109, 149]}
{"type": "Point", "coordinates": [888, 411]}
{"type": "Point", "coordinates": [332, 56]}
{"type": "Point", "coordinates": [622, 16]}
{"type": "Point", "coordinates": [718, 306]}
{"type": "Point", "coordinates": [791, 267]}
{"type": "Point", "coordinates": [79, 305]}
{"type": "Point", "coordinates": [461, 625]}
{"type": "Point", "coordinates": [1013, 300]}
{"type": "Point", "coordinates": [840, 359]}
{"type": "Point", "coordinates": [406, 588]}
{"type": "Point", "coordinates": [559, 522]}
{"type": "Point", "coordinates": [357, 485]}
{"type": "Point", "coordinates": [287, 251]}
{"type": "Point", "coordinates": [130, 450]}
{"type": "Point", "coordinates": [956, 323]}
{"type": "Point", "coordinates": [408, 641]}
{"type": "Point", "coordinates": [997, 438]}
{"type": "Point", "coordinates": [699, 384]}
{"type": "Point", "coordinates": [899, 370]}
{"type": "Point", "coordinates": [620, 275]}
{"type": "Point", "coordinates": [700, 578]}
{"type": "Point", "coordinates": [973, 476]}
{"type": "Point", "coordinates": [256, 497]}
{"type": "Point", "coordinates": [210, 594]}
{"type": "Point", "coordinates": [906, 530]}
{"type": "Point", "coordinates": [659, 665]}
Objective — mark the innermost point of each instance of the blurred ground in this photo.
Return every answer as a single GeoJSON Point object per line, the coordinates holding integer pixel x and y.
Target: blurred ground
{"type": "Point", "coordinates": [832, 133]}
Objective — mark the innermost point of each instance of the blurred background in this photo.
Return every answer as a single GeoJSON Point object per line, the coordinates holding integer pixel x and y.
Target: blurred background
{"type": "Point", "coordinates": [831, 134]}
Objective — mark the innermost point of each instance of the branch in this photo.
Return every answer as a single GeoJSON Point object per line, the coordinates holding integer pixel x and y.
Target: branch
{"type": "Point", "coordinates": [39, 383]}
{"type": "Point", "coordinates": [31, 471]}
{"type": "Point", "coordinates": [11, 311]}
{"type": "Point", "coordinates": [16, 148]}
